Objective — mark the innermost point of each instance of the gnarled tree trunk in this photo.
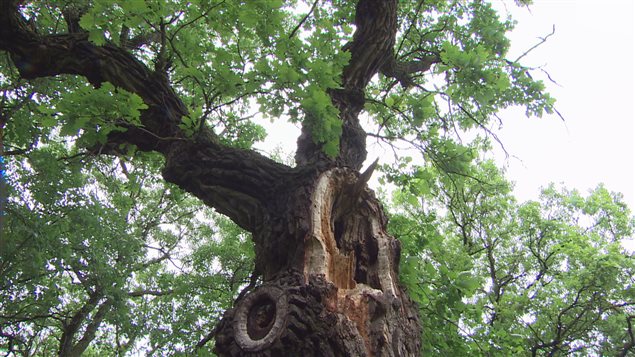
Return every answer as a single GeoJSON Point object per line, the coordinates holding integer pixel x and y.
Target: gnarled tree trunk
{"type": "Point", "coordinates": [337, 293]}
{"type": "Point", "coordinates": [329, 269]}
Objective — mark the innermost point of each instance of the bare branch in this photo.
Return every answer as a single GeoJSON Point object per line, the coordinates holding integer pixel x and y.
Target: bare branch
{"type": "Point", "coordinates": [140, 293]}
{"type": "Point", "coordinates": [542, 40]}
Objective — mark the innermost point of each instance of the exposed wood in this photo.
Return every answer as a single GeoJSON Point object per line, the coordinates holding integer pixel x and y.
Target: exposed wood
{"type": "Point", "coordinates": [355, 265]}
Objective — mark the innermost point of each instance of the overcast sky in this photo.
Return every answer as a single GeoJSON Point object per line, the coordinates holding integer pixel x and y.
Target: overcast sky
{"type": "Point", "coordinates": [591, 57]}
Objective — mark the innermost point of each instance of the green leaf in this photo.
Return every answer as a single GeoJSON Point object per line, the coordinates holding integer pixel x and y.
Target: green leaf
{"type": "Point", "coordinates": [48, 121]}
{"type": "Point", "coordinates": [97, 37]}
{"type": "Point", "coordinates": [88, 21]}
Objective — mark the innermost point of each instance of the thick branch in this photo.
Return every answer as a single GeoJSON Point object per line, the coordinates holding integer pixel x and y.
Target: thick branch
{"type": "Point", "coordinates": [371, 48]}
{"type": "Point", "coordinates": [373, 41]}
{"type": "Point", "coordinates": [630, 344]}
{"type": "Point", "coordinates": [91, 329]}
{"type": "Point", "coordinates": [234, 181]}
{"type": "Point", "coordinates": [72, 14]}
{"type": "Point", "coordinates": [403, 71]}
{"type": "Point", "coordinates": [238, 183]}
{"type": "Point", "coordinates": [71, 327]}
{"type": "Point", "coordinates": [37, 56]}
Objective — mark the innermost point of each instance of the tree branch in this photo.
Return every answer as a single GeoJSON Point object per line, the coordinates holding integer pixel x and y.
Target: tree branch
{"type": "Point", "coordinates": [91, 329]}
{"type": "Point", "coordinates": [542, 40]}
{"type": "Point", "coordinates": [236, 182]}
{"type": "Point", "coordinates": [370, 49]}
{"type": "Point", "coordinates": [37, 56]}
{"type": "Point", "coordinates": [402, 71]}
{"type": "Point", "coordinates": [373, 41]}
{"type": "Point", "coordinates": [71, 327]}
{"type": "Point", "coordinates": [304, 19]}
{"type": "Point", "coordinates": [630, 345]}
{"type": "Point", "coordinates": [139, 293]}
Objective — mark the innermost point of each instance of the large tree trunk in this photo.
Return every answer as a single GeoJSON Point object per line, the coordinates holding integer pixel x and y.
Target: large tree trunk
{"type": "Point", "coordinates": [329, 269]}
{"type": "Point", "coordinates": [331, 284]}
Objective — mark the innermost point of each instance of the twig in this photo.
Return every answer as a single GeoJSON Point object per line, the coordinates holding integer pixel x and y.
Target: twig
{"type": "Point", "coordinates": [542, 40]}
{"type": "Point", "coordinates": [304, 19]}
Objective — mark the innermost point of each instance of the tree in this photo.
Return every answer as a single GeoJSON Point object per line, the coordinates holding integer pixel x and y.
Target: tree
{"type": "Point", "coordinates": [179, 83]}
{"type": "Point", "coordinates": [97, 260]}
{"type": "Point", "coordinates": [495, 277]}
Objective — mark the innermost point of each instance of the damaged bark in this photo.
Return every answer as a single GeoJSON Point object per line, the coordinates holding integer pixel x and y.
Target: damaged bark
{"type": "Point", "coordinates": [343, 298]}
{"type": "Point", "coordinates": [329, 269]}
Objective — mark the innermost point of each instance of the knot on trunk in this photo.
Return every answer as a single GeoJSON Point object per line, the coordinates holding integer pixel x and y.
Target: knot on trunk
{"type": "Point", "coordinates": [288, 317]}
{"type": "Point", "coordinates": [260, 318]}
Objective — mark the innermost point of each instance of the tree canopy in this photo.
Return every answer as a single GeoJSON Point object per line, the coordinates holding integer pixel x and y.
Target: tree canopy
{"type": "Point", "coordinates": [138, 212]}
{"type": "Point", "coordinates": [496, 277]}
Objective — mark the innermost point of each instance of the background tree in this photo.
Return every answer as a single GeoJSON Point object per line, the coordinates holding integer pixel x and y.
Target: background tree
{"type": "Point", "coordinates": [495, 277]}
{"type": "Point", "coordinates": [111, 256]}
{"type": "Point", "coordinates": [119, 89]}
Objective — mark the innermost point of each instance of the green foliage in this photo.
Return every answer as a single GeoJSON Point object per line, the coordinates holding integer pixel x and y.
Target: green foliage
{"type": "Point", "coordinates": [222, 56]}
{"type": "Point", "coordinates": [112, 230]}
{"type": "Point", "coordinates": [322, 119]}
{"type": "Point", "coordinates": [97, 112]}
{"type": "Point", "coordinates": [495, 277]}
{"type": "Point", "coordinates": [108, 234]}
{"type": "Point", "coordinates": [473, 80]}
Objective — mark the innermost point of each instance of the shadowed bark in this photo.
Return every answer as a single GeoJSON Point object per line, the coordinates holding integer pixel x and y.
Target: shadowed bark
{"type": "Point", "coordinates": [330, 270]}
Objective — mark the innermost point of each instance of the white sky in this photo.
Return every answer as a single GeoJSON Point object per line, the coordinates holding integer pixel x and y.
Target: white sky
{"type": "Point", "coordinates": [591, 57]}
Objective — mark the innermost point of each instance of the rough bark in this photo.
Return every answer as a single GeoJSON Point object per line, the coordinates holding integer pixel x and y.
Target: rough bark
{"type": "Point", "coordinates": [330, 271]}
{"type": "Point", "coordinates": [343, 297]}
